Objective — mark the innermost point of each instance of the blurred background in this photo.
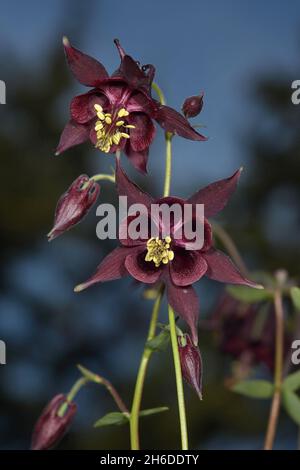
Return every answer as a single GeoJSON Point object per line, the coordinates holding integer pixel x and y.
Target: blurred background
{"type": "Point", "coordinates": [244, 56]}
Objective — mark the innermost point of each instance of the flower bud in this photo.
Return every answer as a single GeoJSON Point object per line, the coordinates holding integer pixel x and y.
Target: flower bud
{"type": "Point", "coordinates": [191, 363]}
{"type": "Point", "coordinates": [74, 204]}
{"type": "Point", "coordinates": [192, 106]}
{"type": "Point", "coordinates": [50, 428]}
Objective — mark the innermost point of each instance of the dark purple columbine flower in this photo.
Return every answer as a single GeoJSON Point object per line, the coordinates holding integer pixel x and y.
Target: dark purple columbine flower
{"type": "Point", "coordinates": [191, 363]}
{"type": "Point", "coordinates": [117, 112]}
{"type": "Point", "coordinates": [246, 332]}
{"type": "Point", "coordinates": [168, 259]}
{"type": "Point", "coordinates": [74, 204]}
{"type": "Point", "coordinates": [50, 428]}
{"type": "Point", "coordinates": [192, 106]}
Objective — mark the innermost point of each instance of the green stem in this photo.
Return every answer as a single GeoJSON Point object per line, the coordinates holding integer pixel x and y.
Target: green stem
{"type": "Point", "coordinates": [72, 393]}
{"type": "Point", "coordinates": [179, 384]}
{"type": "Point", "coordinates": [137, 398]}
{"type": "Point", "coordinates": [160, 94]}
{"type": "Point", "coordinates": [168, 170]}
{"type": "Point", "coordinates": [103, 176]}
{"type": "Point", "coordinates": [279, 340]}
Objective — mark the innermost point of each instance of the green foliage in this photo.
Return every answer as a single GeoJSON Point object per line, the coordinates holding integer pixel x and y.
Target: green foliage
{"type": "Point", "coordinates": [248, 294]}
{"type": "Point", "coordinates": [117, 418]}
{"type": "Point", "coordinates": [160, 342]}
{"type": "Point", "coordinates": [291, 403]}
{"type": "Point", "coordinates": [295, 296]}
{"type": "Point", "coordinates": [254, 388]}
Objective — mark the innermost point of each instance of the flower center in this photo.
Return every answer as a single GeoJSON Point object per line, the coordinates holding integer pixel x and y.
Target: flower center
{"type": "Point", "coordinates": [159, 251]}
{"type": "Point", "coordinates": [110, 129]}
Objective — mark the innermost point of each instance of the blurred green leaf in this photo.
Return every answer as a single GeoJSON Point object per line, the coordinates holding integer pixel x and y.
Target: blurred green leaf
{"type": "Point", "coordinates": [291, 403]}
{"type": "Point", "coordinates": [295, 296]}
{"type": "Point", "coordinates": [153, 411]}
{"type": "Point", "coordinates": [159, 342]}
{"type": "Point", "coordinates": [254, 388]}
{"type": "Point", "coordinates": [292, 382]}
{"type": "Point", "coordinates": [112, 419]}
{"type": "Point", "coordinates": [248, 294]}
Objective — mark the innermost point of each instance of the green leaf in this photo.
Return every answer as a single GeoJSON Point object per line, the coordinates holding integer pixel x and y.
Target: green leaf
{"type": "Point", "coordinates": [295, 296]}
{"type": "Point", "coordinates": [291, 403]}
{"type": "Point", "coordinates": [159, 342]}
{"type": "Point", "coordinates": [153, 411]}
{"type": "Point", "coordinates": [292, 382]}
{"type": "Point", "coordinates": [112, 419]}
{"type": "Point", "coordinates": [248, 294]}
{"type": "Point", "coordinates": [254, 388]}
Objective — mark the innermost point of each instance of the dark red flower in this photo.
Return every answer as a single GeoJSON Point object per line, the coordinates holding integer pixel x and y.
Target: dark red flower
{"type": "Point", "coordinates": [191, 363]}
{"type": "Point", "coordinates": [50, 428]}
{"type": "Point", "coordinates": [117, 112]}
{"type": "Point", "coordinates": [168, 258]}
{"type": "Point", "coordinates": [74, 204]}
{"type": "Point", "coordinates": [193, 105]}
{"type": "Point", "coordinates": [246, 331]}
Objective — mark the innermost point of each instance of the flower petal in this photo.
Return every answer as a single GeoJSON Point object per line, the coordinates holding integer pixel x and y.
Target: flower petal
{"type": "Point", "coordinates": [73, 134]}
{"type": "Point", "coordinates": [138, 159]}
{"type": "Point", "coordinates": [82, 106]}
{"type": "Point", "coordinates": [216, 195]}
{"type": "Point", "coordinates": [173, 122]}
{"type": "Point", "coordinates": [187, 267]}
{"type": "Point", "coordinates": [221, 268]}
{"type": "Point", "coordinates": [185, 302]}
{"type": "Point", "coordinates": [143, 133]}
{"type": "Point", "coordinates": [86, 69]}
{"type": "Point", "coordinates": [112, 267]}
{"type": "Point", "coordinates": [125, 187]}
{"type": "Point", "coordinates": [141, 270]}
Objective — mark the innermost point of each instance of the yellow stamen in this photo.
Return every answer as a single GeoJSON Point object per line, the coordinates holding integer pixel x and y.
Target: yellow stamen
{"type": "Point", "coordinates": [158, 251]}
{"type": "Point", "coordinates": [109, 129]}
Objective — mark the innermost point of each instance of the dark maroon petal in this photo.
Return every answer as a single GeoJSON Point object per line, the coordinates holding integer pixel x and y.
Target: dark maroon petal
{"type": "Point", "coordinates": [187, 267]}
{"type": "Point", "coordinates": [125, 187]}
{"type": "Point", "coordinates": [143, 133]}
{"type": "Point", "coordinates": [111, 268]}
{"type": "Point", "coordinates": [73, 134]}
{"type": "Point", "coordinates": [221, 268]}
{"type": "Point", "coordinates": [141, 270]}
{"type": "Point", "coordinates": [216, 195]}
{"type": "Point", "coordinates": [50, 428]}
{"type": "Point", "coordinates": [138, 159]}
{"type": "Point", "coordinates": [82, 106]}
{"type": "Point", "coordinates": [86, 69]}
{"type": "Point", "coordinates": [192, 106]}
{"type": "Point", "coordinates": [140, 102]}
{"type": "Point", "coordinates": [173, 122]}
{"type": "Point", "coordinates": [185, 302]}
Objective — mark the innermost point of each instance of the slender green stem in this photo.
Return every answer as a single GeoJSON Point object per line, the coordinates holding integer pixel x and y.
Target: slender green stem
{"type": "Point", "coordinates": [159, 92]}
{"type": "Point", "coordinates": [72, 393]}
{"type": "Point", "coordinates": [168, 170]}
{"type": "Point", "coordinates": [137, 398]}
{"type": "Point", "coordinates": [179, 384]}
{"type": "Point", "coordinates": [279, 339]}
{"type": "Point", "coordinates": [103, 176]}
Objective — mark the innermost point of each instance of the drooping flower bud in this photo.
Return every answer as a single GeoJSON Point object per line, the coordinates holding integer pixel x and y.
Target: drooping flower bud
{"type": "Point", "coordinates": [74, 204]}
{"type": "Point", "coordinates": [192, 106]}
{"type": "Point", "coordinates": [50, 428]}
{"type": "Point", "coordinates": [191, 363]}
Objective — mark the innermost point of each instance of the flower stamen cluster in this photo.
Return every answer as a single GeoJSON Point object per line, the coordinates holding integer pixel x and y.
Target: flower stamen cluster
{"type": "Point", "coordinates": [159, 251]}
{"type": "Point", "coordinates": [110, 128]}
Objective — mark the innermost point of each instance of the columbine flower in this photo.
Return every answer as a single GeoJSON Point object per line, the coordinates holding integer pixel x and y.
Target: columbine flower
{"type": "Point", "coordinates": [246, 332]}
{"type": "Point", "coordinates": [74, 204]}
{"type": "Point", "coordinates": [193, 105]}
{"type": "Point", "coordinates": [117, 112]}
{"type": "Point", "coordinates": [191, 363]}
{"type": "Point", "coordinates": [50, 428]}
{"type": "Point", "coordinates": [168, 259]}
